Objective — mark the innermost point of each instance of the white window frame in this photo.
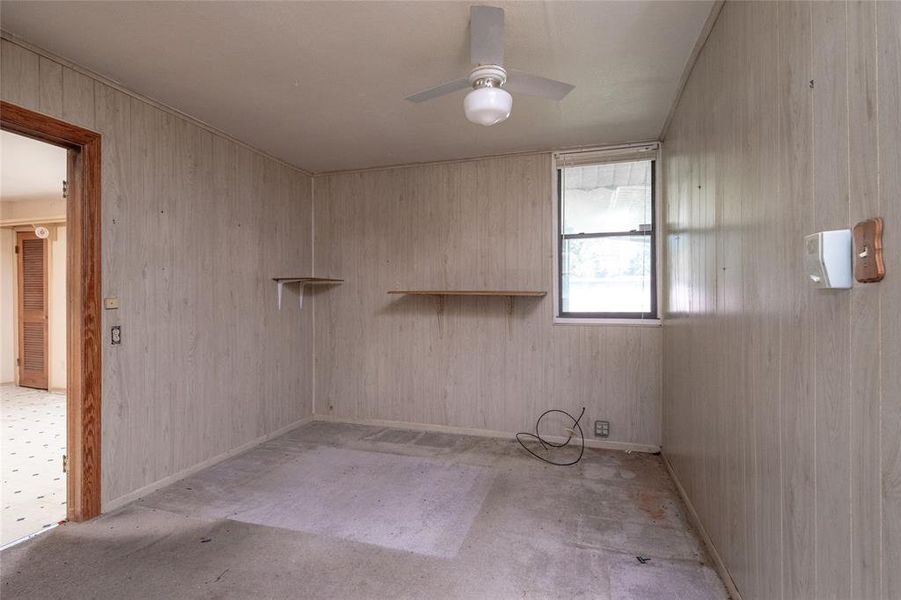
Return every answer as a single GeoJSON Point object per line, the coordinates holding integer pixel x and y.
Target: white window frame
{"type": "Point", "coordinates": [641, 151]}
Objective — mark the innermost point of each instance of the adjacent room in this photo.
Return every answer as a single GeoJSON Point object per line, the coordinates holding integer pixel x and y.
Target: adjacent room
{"type": "Point", "coordinates": [32, 335]}
{"type": "Point", "coordinates": [413, 299]}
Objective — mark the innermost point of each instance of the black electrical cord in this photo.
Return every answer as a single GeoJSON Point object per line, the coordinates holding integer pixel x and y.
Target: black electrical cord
{"type": "Point", "coordinates": [547, 444]}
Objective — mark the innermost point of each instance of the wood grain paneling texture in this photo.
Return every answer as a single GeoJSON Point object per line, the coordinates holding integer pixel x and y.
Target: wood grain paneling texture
{"type": "Point", "coordinates": [783, 421]}
{"type": "Point", "coordinates": [476, 225]}
{"type": "Point", "coordinates": [194, 228]}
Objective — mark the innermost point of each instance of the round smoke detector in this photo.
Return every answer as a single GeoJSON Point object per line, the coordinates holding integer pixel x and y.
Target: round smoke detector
{"type": "Point", "coordinates": [42, 232]}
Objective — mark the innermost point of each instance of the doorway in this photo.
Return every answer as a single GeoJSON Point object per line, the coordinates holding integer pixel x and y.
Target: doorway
{"type": "Point", "coordinates": [33, 335]}
{"type": "Point", "coordinates": [63, 365]}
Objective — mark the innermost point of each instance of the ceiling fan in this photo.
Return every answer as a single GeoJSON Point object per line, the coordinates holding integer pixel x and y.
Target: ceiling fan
{"type": "Point", "coordinates": [489, 102]}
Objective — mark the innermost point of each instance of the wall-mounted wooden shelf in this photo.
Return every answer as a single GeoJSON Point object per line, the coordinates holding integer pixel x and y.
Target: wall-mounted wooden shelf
{"type": "Point", "coordinates": [509, 293]}
{"type": "Point", "coordinates": [440, 295]}
{"type": "Point", "coordinates": [303, 281]}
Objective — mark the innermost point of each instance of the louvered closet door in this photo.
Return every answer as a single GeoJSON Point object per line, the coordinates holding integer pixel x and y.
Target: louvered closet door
{"type": "Point", "coordinates": [32, 259]}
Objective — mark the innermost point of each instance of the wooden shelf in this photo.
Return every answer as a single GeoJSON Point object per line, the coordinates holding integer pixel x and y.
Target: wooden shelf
{"type": "Point", "coordinates": [440, 295]}
{"type": "Point", "coordinates": [508, 293]}
{"type": "Point", "coordinates": [303, 281]}
{"type": "Point", "coordinates": [309, 280]}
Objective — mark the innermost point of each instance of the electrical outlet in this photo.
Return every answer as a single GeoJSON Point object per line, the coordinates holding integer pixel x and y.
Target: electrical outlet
{"type": "Point", "coordinates": [116, 335]}
{"type": "Point", "coordinates": [602, 429]}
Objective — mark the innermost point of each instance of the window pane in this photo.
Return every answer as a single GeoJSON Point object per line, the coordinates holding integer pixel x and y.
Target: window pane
{"type": "Point", "coordinates": [608, 197]}
{"type": "Point", "coordinates": [610, 274]}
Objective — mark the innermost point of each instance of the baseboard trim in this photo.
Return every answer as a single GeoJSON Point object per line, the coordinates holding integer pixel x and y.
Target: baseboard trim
{"type": "Point", "coordinates": [718, 563]}
{"type": "Point", "coordinates": [589, 443]}
{"type": "Point", "coordinates": [121, 501]}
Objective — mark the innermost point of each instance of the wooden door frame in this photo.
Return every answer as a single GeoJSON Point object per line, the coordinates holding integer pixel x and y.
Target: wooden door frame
{"type": "Point", "coordinates": [83, 265]}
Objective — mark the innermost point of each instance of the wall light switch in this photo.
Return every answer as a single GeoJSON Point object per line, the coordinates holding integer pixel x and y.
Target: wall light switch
{"type": "Point", "coordinates": [110, 303]}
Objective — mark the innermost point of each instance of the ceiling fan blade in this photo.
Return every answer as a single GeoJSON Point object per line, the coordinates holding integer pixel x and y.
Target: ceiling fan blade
{"type": "Point", "coordinates": [440, 90]}
{"type": "Point", "coordinates": [486, 35]}
{"type": "Point", "coordinates": [533, 85]}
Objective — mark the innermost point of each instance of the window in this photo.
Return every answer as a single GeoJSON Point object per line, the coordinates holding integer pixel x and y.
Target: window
{"type": "Point", "coordinates": [606, 239]}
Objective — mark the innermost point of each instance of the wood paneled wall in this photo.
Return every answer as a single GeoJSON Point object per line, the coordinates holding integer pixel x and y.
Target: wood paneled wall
{"type": "Point", "coordinates": [194, 227]}
{"type": "Point", "coordinates": [483, 224]}
{"type": "Point", "coordinates": [782, 403]}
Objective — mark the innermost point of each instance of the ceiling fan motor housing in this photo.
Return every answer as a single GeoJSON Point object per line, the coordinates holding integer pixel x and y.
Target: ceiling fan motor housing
{"type": "Point", "coordinates": [488, 76]}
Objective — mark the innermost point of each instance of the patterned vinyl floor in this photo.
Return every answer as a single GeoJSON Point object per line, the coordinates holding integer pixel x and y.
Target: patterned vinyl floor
{"type": "Point", "coordinates": [32, 444]}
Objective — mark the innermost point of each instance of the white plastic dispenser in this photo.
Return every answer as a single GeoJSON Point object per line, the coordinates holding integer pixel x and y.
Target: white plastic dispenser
{"type": "Point", "coordinates": [828, 258]}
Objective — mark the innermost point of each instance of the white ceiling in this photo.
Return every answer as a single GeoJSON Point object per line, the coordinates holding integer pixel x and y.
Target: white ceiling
{"type": "Point", "coordinates": [322, 84]}
{"type": "Point", "coordinates": [29, 169]}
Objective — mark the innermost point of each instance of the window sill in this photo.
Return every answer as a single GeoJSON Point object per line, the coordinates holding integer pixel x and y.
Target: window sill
{"type": "Point", "coordinates": [613, 322]}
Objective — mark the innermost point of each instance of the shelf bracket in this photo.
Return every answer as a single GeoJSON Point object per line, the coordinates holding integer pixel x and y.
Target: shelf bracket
{"type": "Point", "coordinates": [281, 286]}
{"type": "Point", "coordinates": [303, 282]}
{"type": "Point", "coordinates": [509, 303]}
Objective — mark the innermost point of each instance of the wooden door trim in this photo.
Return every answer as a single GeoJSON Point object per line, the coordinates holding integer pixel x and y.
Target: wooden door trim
{"type": "Point", "coordinates": [82, 300]}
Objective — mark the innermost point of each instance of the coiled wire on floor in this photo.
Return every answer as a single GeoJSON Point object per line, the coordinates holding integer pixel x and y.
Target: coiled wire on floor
{"type": "Point", "coordinates": [548, 445]}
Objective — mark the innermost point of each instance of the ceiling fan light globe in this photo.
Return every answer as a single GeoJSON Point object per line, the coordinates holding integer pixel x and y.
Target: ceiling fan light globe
{"type": "Point", "coordinates": [487, 105]}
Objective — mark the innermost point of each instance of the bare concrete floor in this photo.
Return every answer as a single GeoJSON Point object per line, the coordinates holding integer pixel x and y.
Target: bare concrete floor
{"type": "Point", "coordinates": [347, 511]}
